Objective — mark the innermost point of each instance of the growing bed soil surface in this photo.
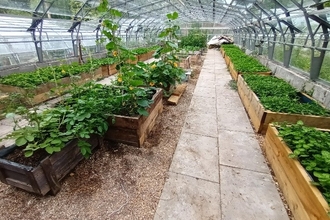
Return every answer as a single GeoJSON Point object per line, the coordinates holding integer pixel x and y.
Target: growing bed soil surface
{"type": "Point", "coordinates": [118, 181]}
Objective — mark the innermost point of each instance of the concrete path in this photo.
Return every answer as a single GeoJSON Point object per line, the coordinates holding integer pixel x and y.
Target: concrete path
{"type": "Point", "coordinates": [218, 170]}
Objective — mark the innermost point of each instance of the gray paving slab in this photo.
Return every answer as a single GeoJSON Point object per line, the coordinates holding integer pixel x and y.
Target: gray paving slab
{"type": "Point", "coordinates": [202, 124]}
{"type": "Point", "coordinates": [224, 89]}
{"type": "Point", "coordinates": [223, 83]}
{"type": "Point", "coordinates": [197, 156]}
{"type": "Point", "coordinates": [188, 198]}
{"type": "Point", "coordinates": [205, 91]}
{"type": "Point", "coordinates": [203, 104]}
{"type": "Point", "coordinates": [234, 120]}
{"type": "Point", "coordinates": [241, 150]}
{"type": "Point", "coordinates": [205, 76]}
{"type": "Point", "coordinates": [206, 83]}
{"type": "Point", "coordinates": [228, 102]}
{"type": "Point", "coordinates": [222, 73]}
{"type": "Point", "coordinates": [249, 195]}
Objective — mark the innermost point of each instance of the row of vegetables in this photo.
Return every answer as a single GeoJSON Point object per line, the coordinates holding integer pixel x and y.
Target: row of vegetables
{"type": "Point", "coordinates": [43, 75]}
{"type": "Point", "coordinates": [298, 120]}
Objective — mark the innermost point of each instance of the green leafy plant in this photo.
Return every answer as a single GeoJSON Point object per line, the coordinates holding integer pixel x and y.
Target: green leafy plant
{"type": "Point", "coordinates": [312, 148]}
{"type": "Point", "coordinates": [195, 40]}
{"type": "Point", "coordinates": [279, 96]}
{"type": "Point", "coordinates": [78, 117]}
{"type": "Point", "coordinates": [143, 50]}
{"type": "Point", "coordinates": [242, 62]}
{"type": "Point", "coordinates": [233, 85]}
{"type": "Point", "coordinates": [166, 72]}
{"type": "Point", "coordinates": [48, 74]}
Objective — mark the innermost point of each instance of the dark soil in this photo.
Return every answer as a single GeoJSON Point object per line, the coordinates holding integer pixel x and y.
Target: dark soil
{"type": "Point", "coordinates": [18, 156]}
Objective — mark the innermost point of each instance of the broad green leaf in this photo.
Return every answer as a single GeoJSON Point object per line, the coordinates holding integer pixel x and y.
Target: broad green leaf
{"type": "Point", "coordinates": [28, 153]}
{"type": "Point", "coordinates": [83, 151]}
{"type": "Point", "coordinates": [143, 103]}
{"type": "Point", "coordinates": [115, 12]}
{"type": "Point", "coordinates": [162, 34]}
{"type": "Point", "coordinates": [143, 112]}
{"type": "Point", "coordinates": [111, 45]}
{"type": "Point", "coordinates": [103, 7]}
{"type": "Point", "coordinates": [29, 138]}
{"type": "Point", "coordinates": [56, 149]}
{"type": "Point", "coordinates": [56, 141]}
{"type": "Point", "coordinates": [173, 45]}
{"type": "Point", "coordinates": [49, 149]}
{"type": "Point", "coordinates": [136, 82]}
{"type": "Point", "coordinates": [175, 15]}
{"type": "Point", "coordinates": [169, 16]}
{"type": "Point", "coordinates": [20, 141]}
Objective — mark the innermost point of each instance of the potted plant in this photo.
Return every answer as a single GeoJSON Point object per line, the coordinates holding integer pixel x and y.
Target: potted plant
{"type": "Point", "coordinates": [299, 156]}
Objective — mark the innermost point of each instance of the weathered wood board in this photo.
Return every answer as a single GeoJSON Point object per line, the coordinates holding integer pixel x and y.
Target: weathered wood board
{"type": "Point", "coordinates": [177, 93]}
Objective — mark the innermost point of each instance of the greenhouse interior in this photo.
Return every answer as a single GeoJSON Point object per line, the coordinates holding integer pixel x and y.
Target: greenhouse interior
{"type": "Point", "coordinates": [173, 109]}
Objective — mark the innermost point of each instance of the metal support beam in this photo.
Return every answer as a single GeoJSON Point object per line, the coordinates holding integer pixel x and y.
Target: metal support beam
{"type": "Point", "coordinates": [75, 28]}
{"type": "Point", "coordinates": [317, 56]}
{"type": "Point", "coordinates": [36, 28]}
{"type": "Point", "coordinates": [271, 44]}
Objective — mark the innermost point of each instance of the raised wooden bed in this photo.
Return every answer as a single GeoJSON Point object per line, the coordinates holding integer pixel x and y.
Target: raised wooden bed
{"type": "Point", "coordinates": [49, 90]}
{"type": "Point", "coordinates": [105, 71]}
{"type": "Point", "coordinates": [150, 54]}
{"type": "Point", "coordinates": [134, 130]}
{"type": "Point", "coordinates": [234, 73]}
{"type": "Point", "coordinates": [143, 57]}
{"type": "Point", "coordinates": [227, 60]}
{"type": "Point", "coordinates": [112, 69]}
{"type": "Point", "coordinates": [305, 200]}
{"type": "Point", "coordinates": [222, 51]}
{"type": "Point", "coordinates": [260, 117]}
{"type": "Point", "coordinates": [46, 176]}
{"type": "Point", "coordinates": [131, 61]}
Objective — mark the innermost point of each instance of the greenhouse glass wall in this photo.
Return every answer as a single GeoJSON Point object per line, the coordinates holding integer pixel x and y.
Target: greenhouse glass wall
{"type": "Point", "coordinates": [292, 33]}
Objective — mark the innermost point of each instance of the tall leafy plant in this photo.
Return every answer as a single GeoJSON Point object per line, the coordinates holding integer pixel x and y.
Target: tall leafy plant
{"type": "Point", "coordinates": [166, 72]}
{"type": "Point", "coordinates": [131, 79]}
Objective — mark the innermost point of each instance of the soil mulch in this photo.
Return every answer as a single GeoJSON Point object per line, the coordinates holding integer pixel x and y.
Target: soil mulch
{"type": "Point", "coordinates": [117, 182]}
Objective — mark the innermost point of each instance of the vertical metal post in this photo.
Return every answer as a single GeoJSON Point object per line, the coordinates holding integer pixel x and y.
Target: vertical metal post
{"type": "Point", "coordinates": [34, 29]}
{"type": "Point", "coordinates": [98, 35]}
{"type": "Point", "coordinates": [317, 56]}
{"type": "Point", "coordinates": [38, 42]}
{"type": "Point", "coordinates": [271, 45]}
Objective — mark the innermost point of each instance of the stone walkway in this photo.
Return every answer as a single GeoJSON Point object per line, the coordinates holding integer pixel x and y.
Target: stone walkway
{"type": "Point", "coordinates": [218, 170]}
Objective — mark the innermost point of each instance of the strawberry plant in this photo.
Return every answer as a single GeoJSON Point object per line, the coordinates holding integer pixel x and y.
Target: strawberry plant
{"type": "Point", "coordinates": [312, 148]}
{"type": "Point", "coordinates": [279, 96]}
{"type": "Point", "coordinates": [242, 62]}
